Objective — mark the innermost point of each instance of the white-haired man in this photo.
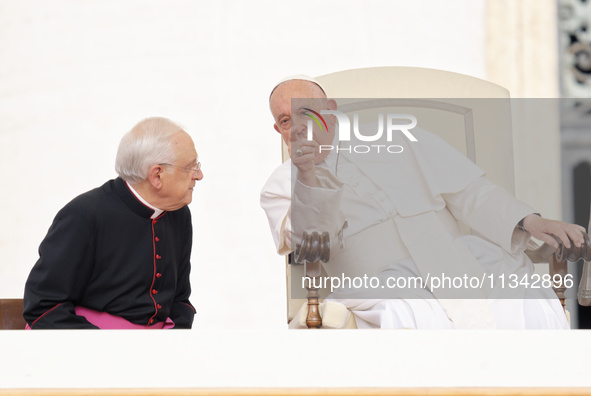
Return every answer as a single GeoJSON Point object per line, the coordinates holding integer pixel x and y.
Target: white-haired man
{"type": "Point", "coordinates": [397, 218]}
{"type": "Point", "coordinates": [118, 256]}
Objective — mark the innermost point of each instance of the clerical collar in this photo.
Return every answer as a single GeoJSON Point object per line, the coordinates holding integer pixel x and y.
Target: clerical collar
{"type": "Point", "coordinates": [157, 212]}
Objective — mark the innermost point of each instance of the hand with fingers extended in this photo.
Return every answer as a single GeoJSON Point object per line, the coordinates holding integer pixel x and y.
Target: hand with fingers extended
{"type": "Point", "coordinates": [553, 231]}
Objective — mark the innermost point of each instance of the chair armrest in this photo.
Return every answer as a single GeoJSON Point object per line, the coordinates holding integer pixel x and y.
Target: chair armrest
{"type": "Point", "coordinates": [558, 260]}
{"type": "Point", "coordinates": [539, 253]}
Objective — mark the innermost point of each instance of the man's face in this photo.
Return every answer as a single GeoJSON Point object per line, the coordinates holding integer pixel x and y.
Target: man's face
{"type": "Point", "coordinates": [178, 179]}
{"type": "Point", "coordinates": [294, 126]}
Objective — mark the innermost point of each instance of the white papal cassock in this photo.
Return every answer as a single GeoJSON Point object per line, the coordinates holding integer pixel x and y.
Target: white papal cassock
{"type": "Point", "coordinates": [396, 216]}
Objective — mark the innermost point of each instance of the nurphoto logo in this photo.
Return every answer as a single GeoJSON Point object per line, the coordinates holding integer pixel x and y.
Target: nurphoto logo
{"type": "Point", "coordinates": [394, 123]}
{"type": "Point", "coordinates": [316, 117]}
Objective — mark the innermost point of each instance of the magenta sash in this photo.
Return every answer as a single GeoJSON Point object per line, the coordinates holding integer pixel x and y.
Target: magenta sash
{"type": "Point", "coordinates": [105, 320]}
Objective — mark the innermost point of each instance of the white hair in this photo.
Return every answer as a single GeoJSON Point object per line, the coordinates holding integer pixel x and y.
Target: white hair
{"type": "Point", "coordinates": [147, 144]}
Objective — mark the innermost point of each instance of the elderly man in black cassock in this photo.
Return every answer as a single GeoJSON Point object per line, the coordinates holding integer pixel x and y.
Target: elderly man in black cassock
{"type": "Point", "coordinates": [118, 256]}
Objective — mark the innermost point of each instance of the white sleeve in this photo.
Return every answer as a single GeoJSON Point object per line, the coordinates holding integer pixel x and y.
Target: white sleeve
{"type": "Point", "coordinates": [276, 202]}
{"type": "Point", "coordinates": [316, 209]}
{"type": "Point", "coordinates": [491, 211]}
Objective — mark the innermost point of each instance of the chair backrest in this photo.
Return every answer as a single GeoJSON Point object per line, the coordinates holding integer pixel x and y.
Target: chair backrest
{"type": "Point", "coordinates": [11, 314]}
{"type": "Point", "coordinates": [471, 114]}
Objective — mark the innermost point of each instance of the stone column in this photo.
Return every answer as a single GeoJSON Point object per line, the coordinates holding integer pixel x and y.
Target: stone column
{"type": "Point", "coordinates": [522, 55]}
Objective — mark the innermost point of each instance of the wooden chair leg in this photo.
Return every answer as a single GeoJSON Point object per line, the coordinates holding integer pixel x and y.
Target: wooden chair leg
{"type": "Point", "coordinates": [312, 252]}
{"type": "Point", "coordinates": [313, 320]}
{"type": "Point", "coordinates": [558, 271]}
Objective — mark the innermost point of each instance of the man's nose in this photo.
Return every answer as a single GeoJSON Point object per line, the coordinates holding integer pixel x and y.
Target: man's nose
{"type": "Point", "coordinates": [298, 131]}
{"type": "Point", "coordinates": [198, 175]}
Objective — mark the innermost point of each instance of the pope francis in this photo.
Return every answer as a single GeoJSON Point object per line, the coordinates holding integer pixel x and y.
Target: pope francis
{"type": "Point", "coordinates": [394, 216]}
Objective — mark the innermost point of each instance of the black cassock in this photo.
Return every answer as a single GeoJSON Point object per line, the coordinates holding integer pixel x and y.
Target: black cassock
{"type": "Point", "coordinates": [104, 252]}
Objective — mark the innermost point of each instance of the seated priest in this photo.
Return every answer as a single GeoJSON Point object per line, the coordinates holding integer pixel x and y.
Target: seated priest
{"type": "Point", "coordinates": [118, 256]}
{"type": "Point", "coordinates": [394, 217]}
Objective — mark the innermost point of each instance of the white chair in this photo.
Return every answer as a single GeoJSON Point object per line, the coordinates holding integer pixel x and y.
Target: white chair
{"type": "Point", "coordinates": [444, 102]}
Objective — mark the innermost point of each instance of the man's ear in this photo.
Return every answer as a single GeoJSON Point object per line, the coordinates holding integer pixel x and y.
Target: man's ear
{"type": "Point", "coordinates": [332, 104]}
{"type": "Point", "coordinates": [154, 176]}
{"type": "Point", "coordinates": [276, 128]}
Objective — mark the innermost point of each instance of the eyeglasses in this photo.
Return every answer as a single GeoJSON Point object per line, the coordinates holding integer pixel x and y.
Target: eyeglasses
{"type": "Point", "coordinates": [191, 168]}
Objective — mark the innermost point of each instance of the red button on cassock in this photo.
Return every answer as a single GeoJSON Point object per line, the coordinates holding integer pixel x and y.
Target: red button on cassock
{"type": "Point", "coordinates": [158, 257]}
{"type": "Point", "coordinates": [154, 291]}
{"type": "Point", "coordinates": [158, 306]}
{"type": "Point", "coordinates": [158, 275]}
{"type": "Point", "coordinates": [157, 239]}
{"type": "Point", "coordinates": [151, 320]}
